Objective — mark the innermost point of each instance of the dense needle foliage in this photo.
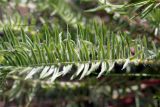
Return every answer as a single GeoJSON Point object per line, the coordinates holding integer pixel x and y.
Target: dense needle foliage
{"type": "Point", "coordinates": [80, 53]}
